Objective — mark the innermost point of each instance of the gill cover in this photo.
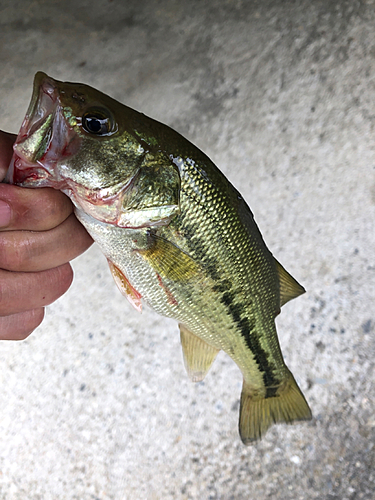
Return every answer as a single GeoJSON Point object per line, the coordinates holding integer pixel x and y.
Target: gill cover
{"type": "Point", "coordinates": [152, 198]}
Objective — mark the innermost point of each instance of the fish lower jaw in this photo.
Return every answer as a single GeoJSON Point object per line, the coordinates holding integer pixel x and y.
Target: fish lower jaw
{"type": "Point", "coordinates": [34, 175]}
{"type": "Point", "coordinates": [29, 175]}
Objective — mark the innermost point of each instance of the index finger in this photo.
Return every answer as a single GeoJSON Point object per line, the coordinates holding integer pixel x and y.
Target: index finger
{"type": "Point", "coordinates": [38, 209]}
{"type": "Point", "coordinates": [31, 209]}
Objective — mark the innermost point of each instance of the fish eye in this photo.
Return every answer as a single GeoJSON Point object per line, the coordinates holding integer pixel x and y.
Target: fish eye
{"type": "Point", "coordinates": [97, 122]}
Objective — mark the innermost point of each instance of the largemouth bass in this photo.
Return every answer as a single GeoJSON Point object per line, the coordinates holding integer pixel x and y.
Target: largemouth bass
{"type": "Point", "coordinates": [175, 232]}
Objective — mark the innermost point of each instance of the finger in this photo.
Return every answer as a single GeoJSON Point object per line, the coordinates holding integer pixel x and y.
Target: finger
{"type": "Point", "coordinates": [19, 326]}
{"type": "Point", "coordinates": [6, 151]}
{"type": "Point", "coordinates": [34, 209]}
{"type": "Point", "coordinates": [30, 251]}
{"type": "Point", "coordinates": [25, 291]}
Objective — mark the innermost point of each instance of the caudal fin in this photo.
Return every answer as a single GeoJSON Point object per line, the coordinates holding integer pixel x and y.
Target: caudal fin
{"type": "Point", "coordinates": [258, 414]}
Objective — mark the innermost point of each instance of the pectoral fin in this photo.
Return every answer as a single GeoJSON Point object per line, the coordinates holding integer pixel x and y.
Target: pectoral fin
{"type": "Point", "coordinates": [125, 287]}
{"type": "Point", "coordinates": [168, 260]}
{"type": "Point", "coordinates": [289, 287]}
{"type": "Point", "coordinates": [198, 355]}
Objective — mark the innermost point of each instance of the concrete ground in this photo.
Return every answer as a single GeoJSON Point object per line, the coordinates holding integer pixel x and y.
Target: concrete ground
{"type": "Point", "coordinates": [280, 94]}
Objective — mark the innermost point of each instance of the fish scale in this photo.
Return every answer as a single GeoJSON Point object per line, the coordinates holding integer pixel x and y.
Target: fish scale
{"type": "Point", "coordinates": [176, 234]}
{"type": "Point", "coordinates": [235, 258]}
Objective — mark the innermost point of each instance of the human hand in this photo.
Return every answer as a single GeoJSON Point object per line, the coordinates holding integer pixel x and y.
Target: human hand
{"type": "Point", "coordinates": [39, 235]}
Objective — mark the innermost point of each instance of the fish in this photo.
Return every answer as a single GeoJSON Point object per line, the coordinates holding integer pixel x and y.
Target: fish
{"type": "Point", "coordinates": [176, 233]}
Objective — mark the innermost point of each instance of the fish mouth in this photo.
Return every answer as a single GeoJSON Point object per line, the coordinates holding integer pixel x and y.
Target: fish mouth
{"type": "Point", "coordinates": [44, 138]}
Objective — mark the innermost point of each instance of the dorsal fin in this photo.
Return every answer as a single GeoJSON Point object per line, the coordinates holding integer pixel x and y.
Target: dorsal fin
{"type": "Point", "coordinates": [289, 287]}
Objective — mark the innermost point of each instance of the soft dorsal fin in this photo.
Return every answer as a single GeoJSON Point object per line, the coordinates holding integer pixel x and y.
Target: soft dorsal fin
{"type": "Point", "coordinates": [198, 355]}
{"type": "Point", "coordinates": [289, 287]}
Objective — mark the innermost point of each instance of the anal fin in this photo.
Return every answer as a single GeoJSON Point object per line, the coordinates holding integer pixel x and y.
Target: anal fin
{"type": "Point", "coordinates": [198, 355]}
{"type": "Point", "coordinates": [258, 413]}
{"type": "Point", "coordinates": [125, 287]}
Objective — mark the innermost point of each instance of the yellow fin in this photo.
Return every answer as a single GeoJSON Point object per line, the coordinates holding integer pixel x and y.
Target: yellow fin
{"type": "Point", "coordinates": [168, 260]}
{"type": "Point", "coordinates": [123, 284]}
{"type": "Point", "coordinates": [198, 355]}
{"type": "Point", "coordinates": [257, 413]}
{"type": "Point", "coordinates": [289, 287]}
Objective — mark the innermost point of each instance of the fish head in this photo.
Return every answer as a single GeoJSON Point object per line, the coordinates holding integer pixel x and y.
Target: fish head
{"type": "Point", "coordinates": [91, 147]}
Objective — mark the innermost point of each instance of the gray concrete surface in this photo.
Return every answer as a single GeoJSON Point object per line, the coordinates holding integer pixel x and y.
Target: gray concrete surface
{"type": "Point", "coordinates": [280, 94]}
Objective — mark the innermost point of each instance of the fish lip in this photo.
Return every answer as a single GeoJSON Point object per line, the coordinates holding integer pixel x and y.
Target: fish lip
{"type": "Point", "coordinates": [45, 82]}
{"type": "Point", "coordinates": [43, 136]}
{"type": "Point", "coordinates": [44, 100]}
{"type": "Point", "coordinates": [41, 110]}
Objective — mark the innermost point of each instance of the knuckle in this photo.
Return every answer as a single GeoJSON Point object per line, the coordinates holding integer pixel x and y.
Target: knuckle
{"type": "Point", "coordinates": [15, 253]}
{"type": "Point", "coordinates": [64, 277]}
{"type": "Point", "coordinates": [37, 209]}
{"type": "Point", "coordinates": [56, 207]}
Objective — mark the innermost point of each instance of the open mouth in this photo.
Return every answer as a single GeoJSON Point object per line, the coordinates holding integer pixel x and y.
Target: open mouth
{"type": "Point", "coordinates": [44, 138]}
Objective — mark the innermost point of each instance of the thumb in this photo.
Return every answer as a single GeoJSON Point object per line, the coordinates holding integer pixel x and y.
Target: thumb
{"type": "Point", "coordinates": [6, 151]}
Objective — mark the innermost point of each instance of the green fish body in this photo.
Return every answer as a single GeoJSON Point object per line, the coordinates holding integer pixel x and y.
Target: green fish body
{"type": "Point", "coordinates": [175, 232]}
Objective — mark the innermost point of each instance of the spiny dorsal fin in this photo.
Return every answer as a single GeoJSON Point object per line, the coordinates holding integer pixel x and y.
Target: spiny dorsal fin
{"type": "Point", "coordinates": [258, 413]}
{"type": "Point", "coordinates": [198, 355]}
{"type": "Point", "coordinates": [289, 287]}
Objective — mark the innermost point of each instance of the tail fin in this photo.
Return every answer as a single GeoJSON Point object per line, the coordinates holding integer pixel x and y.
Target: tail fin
{"type": "Point", "coordinates": [258, 414]}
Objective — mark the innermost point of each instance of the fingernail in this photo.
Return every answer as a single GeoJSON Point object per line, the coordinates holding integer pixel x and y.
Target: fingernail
{"type": "Point", "coordinates": [5, 214]}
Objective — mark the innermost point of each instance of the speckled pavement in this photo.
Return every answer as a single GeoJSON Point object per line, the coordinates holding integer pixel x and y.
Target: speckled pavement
{"type": "Point", "coordinates": [96, 405]}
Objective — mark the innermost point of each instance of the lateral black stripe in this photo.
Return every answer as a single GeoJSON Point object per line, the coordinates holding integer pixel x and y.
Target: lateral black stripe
{"type": "Point", "coordinates": [238, 312]}
{"type": "Point", "coordinates": [246, 327]}
{"type": "Point", "coordinates": [198, 250]}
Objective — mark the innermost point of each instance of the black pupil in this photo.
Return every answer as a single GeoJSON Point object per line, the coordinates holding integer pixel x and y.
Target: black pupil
{"type": "Point", "coordinates": [95, 125]}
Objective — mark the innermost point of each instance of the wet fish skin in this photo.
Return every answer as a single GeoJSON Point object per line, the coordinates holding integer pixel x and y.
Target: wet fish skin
{"type": "Point", "coordinates": [176, 233]}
